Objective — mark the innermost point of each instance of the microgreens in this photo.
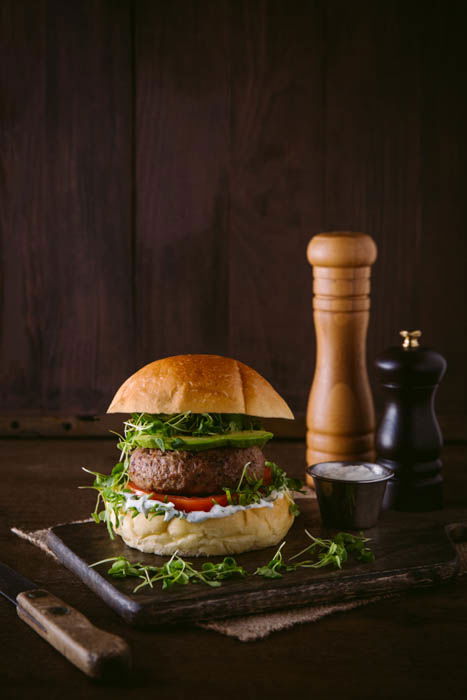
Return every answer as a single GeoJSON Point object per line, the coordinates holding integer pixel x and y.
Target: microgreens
{"type": "Point", "coordinates": [251, 489]}
{"type": "Point", "coordinates": [325, 552]}
{"type": "Point", "coordinates": [174, 571]}
{"type": "Point", "coordinates": [277, 565]}
{"type": "Point", "coordinates": [161, 427]}
{"type": "Point", "coordinates": [335, 551]}
{"type": "Point", "coordinates": [111, 487]}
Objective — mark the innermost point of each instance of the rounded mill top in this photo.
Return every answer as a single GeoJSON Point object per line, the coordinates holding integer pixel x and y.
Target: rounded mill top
{"type": "Point", "coordinates": [342, 249]}
{"type": "Point", "coordinates": [410, 365]}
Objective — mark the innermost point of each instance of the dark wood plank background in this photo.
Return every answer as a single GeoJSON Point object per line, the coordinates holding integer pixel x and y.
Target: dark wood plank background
{"type": "Point", "coordinates": [164, 164]}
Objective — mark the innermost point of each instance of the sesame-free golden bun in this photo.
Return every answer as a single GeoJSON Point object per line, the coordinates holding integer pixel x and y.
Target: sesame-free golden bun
{"type": "Point", "coordinates": [200, 384]}
{"type": "Point", "coordinates": [242, 531]}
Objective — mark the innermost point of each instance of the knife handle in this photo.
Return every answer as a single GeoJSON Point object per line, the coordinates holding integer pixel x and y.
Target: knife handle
{"type": "Point", "coordinates": [97, 653]}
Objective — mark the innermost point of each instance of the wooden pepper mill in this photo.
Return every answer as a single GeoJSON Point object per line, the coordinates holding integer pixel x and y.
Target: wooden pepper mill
{"type": "Point", "coordinates": [340, 416]}
{"type": "Point", "coordinates": [408, 439]}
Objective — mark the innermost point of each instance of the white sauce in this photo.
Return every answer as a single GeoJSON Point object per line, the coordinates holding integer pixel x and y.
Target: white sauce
{"type": "Point", "coordinates": [144, 503]}
{"type": "Point", "coordinates": [350, 472]}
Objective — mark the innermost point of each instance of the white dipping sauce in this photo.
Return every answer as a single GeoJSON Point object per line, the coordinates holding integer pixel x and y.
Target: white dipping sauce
{"type": "Point", "coordinates": [350, 472]}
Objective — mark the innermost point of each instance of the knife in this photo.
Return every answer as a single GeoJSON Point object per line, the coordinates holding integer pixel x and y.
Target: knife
{"type": "Point", "coordinates": [97, 653]}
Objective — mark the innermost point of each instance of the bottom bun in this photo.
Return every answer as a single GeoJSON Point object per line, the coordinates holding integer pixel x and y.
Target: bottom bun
{"type": "Point", "coordinates": [245, 530]}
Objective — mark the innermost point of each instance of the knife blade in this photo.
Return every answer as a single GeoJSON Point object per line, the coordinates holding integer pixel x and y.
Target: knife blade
{"type": "Point", "coordinates": [97, 653]}
{"type": "Point", "coordinates": [12, 583]}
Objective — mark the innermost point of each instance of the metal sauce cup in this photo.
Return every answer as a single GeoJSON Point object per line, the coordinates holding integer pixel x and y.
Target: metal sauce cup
{"type": "Point", "coordinates": [346, 503]}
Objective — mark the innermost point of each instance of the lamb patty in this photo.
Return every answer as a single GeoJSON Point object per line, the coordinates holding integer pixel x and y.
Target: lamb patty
{"type": "Point", "coordinates": [193, 473]}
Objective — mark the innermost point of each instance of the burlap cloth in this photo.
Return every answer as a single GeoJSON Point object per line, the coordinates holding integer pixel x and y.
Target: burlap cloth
{"type": "Point", "coordinates": [252, 627]}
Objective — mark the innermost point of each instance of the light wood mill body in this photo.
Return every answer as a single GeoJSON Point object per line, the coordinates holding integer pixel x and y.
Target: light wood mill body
{"type": "Point", "coordinates": [340, 415]}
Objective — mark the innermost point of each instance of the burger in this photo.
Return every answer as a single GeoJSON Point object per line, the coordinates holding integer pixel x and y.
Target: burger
{"type": "Point", "coordinates": [192, 477]}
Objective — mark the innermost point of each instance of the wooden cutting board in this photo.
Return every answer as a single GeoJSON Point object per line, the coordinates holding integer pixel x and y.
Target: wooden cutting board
{"type": "Point", "coordinates": [411, 551]}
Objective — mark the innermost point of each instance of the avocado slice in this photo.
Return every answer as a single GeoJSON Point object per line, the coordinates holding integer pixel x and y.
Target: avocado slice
{"type": "Point", "coordinates": [198, 443]}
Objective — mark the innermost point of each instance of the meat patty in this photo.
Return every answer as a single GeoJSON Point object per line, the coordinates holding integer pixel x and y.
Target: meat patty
{"type": "Point", "coordinates": [193, 473]}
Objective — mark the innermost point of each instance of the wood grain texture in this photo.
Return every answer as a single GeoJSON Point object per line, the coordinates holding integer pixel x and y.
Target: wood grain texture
{"type": "Point", "coordinates": [276, 186]}
{"type": "Point", "coordinates": [163, 166]}
{"type": "Point", "coordinates": [340, 413]}
{"type": "Point", "coordinates": [421, 632]}
{"type": "Point", "coordinates": [373, 123]}
{"type": "Point", "coordinates": [442, 279]}
{"type": "Point", "coordinates": [27, 426]}
{"type": "Point", "coordinates": [182, 204]}
{"type": "Point", "coordinates": [97, 653]}
{"type": "Point", "coordinates": [410, 552]}
{"type": "Point", "coordinates": [66, 235]}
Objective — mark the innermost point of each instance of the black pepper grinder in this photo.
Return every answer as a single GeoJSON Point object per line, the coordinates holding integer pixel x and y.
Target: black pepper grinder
{"type": "Point", "coordinates": [409, 439]}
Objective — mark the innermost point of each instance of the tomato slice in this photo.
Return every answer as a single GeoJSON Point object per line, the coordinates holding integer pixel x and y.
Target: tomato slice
{"type": "Point", "coordinates": [185, 503]}
{"type": "Point", "coordinates": [192, 503]}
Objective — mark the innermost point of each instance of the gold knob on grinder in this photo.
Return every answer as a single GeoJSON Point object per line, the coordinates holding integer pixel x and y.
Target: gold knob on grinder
{"type": "Point", "coordinates": [410, 338]}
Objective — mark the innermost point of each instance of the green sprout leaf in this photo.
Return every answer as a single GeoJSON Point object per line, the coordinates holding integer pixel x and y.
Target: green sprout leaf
{"type": "Point", "coordinates": [276, 567]}
{"type": "Point", "coordinates": [250, 489]}
{"type": "Point", "coordinates": [112, 488]}
{"type": "Point", "coordinates": [321, 552]}
{"type": "Point", "coordinates": [176, 571]}
{"type": "Point", "coordinates": [179, 572]}
{"type": "Point", "coordinates": [334, 552]}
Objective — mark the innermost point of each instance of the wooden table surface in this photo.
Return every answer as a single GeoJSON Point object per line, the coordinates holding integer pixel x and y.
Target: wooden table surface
{"type": "Point", "coordinates": [411, 647]}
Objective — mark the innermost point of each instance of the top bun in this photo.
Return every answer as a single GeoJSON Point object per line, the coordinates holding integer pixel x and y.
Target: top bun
{"type": "Point", "coordinates": [200, 384]}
